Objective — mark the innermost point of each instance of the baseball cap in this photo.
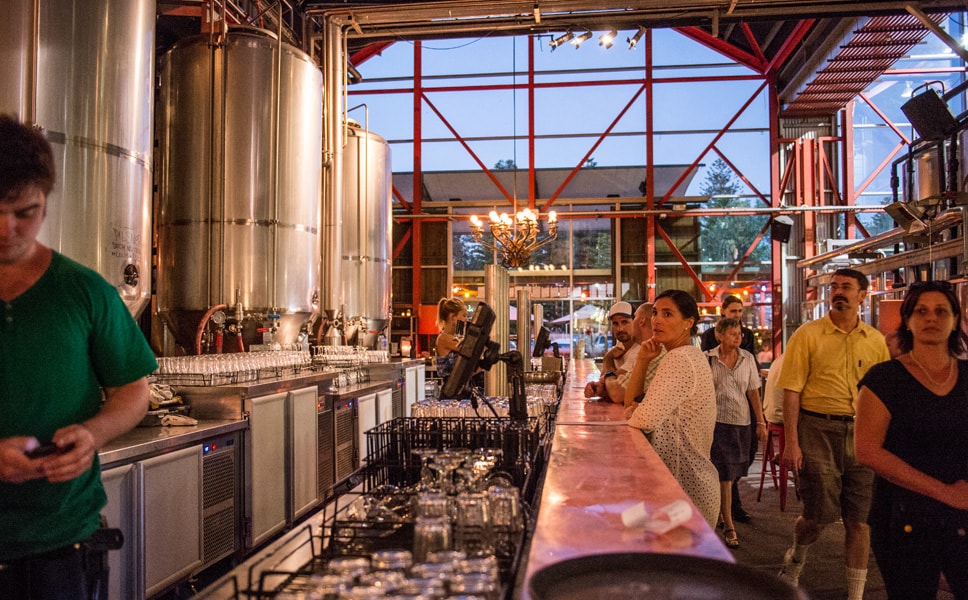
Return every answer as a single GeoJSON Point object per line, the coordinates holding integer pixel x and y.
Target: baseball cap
{"type": "Point", "coordinates": [620, 308]}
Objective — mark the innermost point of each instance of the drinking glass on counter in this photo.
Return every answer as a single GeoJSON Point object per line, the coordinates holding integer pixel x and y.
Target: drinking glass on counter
{"type": "Point", "coordinates": [472, 528]}
{"type": "Point", "coordinates": [464, 408]}
{"type": "Point", "coordinates": [431, 534]}
{"type": "Point", "coordinates": [214, 369]}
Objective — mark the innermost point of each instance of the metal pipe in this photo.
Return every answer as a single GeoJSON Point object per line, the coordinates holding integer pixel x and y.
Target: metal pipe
{"type": "Point", "coordinates": [274, 168]}
{"type": "Point", "coordinates": [30, 111]}
{"type": "Point", "coordinates": [945, 220]}
{"type": "Point", "coordinates": [332, 245]}
{"type": "Point", "coordinates": [496, 282]}
{"type": "Point", "coordinates": [668, 212]}
{"type": "Point", "coordinates": [201, 326]}
{"type": "Point", "coordinates": [524, 325]}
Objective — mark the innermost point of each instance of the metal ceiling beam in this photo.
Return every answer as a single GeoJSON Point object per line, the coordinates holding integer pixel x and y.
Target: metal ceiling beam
{"type": "Point", "coordinates": [366, 21]}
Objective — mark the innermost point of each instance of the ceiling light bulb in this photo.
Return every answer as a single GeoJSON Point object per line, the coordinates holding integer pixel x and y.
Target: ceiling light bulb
{"type": "Point", "coordinates": [635, 38]}
{"type": "Point", "coordinates": [576, 42]}
{"type": "Point", "coordinates": [561, 40]}
{"type": "Point", "coordinates": [607, 39]}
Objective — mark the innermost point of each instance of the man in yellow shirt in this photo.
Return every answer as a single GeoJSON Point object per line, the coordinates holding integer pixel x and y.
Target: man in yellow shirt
{"type": "Point", "coordinates": [825, 359]}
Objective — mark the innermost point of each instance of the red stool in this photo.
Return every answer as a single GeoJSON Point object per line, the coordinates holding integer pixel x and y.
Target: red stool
{"type": "Point", "coordinates": [772, 456]}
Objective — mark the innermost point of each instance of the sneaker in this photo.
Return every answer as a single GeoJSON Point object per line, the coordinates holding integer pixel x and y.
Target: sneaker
{"type": "Point", "coordinates": [791, 569]}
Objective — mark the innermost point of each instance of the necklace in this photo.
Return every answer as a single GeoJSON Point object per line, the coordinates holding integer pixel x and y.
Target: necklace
{"type": "Point", "coordinates": [936, 383]}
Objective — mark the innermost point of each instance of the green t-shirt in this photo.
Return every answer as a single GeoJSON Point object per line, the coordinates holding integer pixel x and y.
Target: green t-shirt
{"type": "Point", "coordinates": [61, 341]}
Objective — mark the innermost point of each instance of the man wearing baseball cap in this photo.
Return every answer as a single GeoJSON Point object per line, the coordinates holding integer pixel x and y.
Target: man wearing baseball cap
{"type": "Point", "coordinates": [622, 354]}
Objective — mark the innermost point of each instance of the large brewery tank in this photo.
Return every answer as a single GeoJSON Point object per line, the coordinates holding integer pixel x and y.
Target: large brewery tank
{"type": "Point", "coordinates": [366, 235]}
{"type": "Point", "coordinates": [240, 140]}
{"type": "Point", "coordinates": [85, 76]}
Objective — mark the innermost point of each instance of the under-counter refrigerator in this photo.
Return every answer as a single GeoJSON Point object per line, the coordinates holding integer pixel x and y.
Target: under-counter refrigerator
{"type": "Point", "coordinates": [280, 446]}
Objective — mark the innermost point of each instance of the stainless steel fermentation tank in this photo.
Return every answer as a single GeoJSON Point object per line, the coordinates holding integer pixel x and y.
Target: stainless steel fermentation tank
{"type": "Point", "coordinates": [366, 235]}
{"type": "Point", "coordinates": [85, 76]}
{"type": "Point", "coordinates": [239, 123]}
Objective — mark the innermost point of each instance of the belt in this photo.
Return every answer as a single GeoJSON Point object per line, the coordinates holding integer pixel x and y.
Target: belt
{"type": "Point", "coordinates": [846, 418]}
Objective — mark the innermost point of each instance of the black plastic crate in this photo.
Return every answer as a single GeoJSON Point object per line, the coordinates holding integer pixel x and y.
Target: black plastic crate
{"type": "Point", "coordinates": [393, 448]}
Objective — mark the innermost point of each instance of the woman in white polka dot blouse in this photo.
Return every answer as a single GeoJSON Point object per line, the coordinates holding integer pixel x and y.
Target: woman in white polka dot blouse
{"type": "Point", "coordinates": [678, 412]}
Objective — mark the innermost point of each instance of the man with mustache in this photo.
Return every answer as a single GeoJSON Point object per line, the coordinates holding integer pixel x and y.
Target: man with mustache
{"type": "Point", "coordinates": [825, 360]}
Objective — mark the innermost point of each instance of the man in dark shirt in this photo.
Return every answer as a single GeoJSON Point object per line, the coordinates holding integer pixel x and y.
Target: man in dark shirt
{"type": "Point", "coordinates": [732, 309]}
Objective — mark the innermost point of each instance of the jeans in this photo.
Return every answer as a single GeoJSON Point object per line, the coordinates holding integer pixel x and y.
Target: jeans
{"type": "Point", "coordinates": [76, 572]}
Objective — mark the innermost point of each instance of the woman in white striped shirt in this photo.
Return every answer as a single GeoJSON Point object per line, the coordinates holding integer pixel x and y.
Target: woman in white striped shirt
{"type": "Point", "coordinates": [737, 380]}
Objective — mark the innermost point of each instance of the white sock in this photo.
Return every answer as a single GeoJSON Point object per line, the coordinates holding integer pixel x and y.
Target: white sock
{"type": "Point", "coordinates": [856, 580]}
{"type": "Point", "coordinates": [793, 561]}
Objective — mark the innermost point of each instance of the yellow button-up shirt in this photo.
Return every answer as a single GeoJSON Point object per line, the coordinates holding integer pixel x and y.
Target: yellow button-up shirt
{"type": "Point", "coordinates": [825, 363]}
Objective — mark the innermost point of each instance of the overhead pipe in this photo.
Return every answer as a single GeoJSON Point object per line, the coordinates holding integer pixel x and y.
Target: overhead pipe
{"type": "Point", "coordinates": [332, 61]}
{"type": "Point", "coordinates": [669, 212]}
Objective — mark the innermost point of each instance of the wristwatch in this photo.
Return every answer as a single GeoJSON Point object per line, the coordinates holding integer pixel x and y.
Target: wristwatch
{"type": "Point", "coordinates": [608, 374]}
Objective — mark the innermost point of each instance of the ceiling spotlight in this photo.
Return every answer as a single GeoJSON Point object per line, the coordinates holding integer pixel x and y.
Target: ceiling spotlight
{"type": "Point", "coordinates": [635, 38]}
{"type": "Point", "coordinates": [560, 40]}
{"type": "Point", "coordinates": [607, 39]}
{"type": "Point", "coordinates": [907, 216]}
{"type": "Point", "coordinates": [577, 42]}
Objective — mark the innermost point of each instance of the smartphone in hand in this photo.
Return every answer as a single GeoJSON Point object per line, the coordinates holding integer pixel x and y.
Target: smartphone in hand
{"type": "Point", "coordinates": [46, 450]}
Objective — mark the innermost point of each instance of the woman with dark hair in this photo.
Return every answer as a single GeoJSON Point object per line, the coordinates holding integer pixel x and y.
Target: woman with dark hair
{"type": "Point", "coordinates": [678, 412]}
{"type": "Point", "coordinates": [911, 425]}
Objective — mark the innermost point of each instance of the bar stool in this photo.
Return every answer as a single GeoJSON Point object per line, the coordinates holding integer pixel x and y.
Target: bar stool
{"type": "Point", "coordinates": [771, 456]}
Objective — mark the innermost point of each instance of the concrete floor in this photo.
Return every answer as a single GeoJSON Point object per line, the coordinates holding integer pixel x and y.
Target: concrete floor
{"type": "Point", "coordinates": [764, 540]}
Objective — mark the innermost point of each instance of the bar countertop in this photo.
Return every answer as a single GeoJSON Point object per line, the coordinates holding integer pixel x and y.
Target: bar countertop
{"type": "Point", "coordinates": [598, 467]}
{"type": "Point", "coordinates": [142, 442]}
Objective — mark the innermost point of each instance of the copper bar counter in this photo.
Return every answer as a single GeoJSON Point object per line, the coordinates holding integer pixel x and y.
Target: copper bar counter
{"type": "Point", "coordinates": [598, 467]}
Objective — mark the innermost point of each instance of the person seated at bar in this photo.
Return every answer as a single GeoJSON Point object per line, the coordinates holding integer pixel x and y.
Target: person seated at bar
{"type": "Point", "coordinates": [641, 372]}
{"type": "Point", "coordinates": [678, 413]}
{"type": "Point", "coordinates": [618, 360]}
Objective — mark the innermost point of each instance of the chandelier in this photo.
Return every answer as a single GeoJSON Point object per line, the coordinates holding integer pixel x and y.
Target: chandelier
{"type": "Point", "coordinates": [515, 240]}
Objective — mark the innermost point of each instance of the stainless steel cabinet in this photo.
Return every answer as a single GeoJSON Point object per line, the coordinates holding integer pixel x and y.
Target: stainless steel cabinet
{"type": "Point", "coordinates": [265, 481]}
{"type": "Point", "coordinates": [366, 420]}
{"type": "Point", "coordinates": [281, 460]}
{"type": "Point", "coordinates": [125, 511]}
{"type": "Point", "coordinates": [303, 450]}
{"type": "Point", "coordinates": [172, 517]}
{"type": "Point", "coordinates": [416, 378]}
{"type": "Point", "coordinates": [157, 504]}
{"type": "Point", "coordinates": [384, 406]}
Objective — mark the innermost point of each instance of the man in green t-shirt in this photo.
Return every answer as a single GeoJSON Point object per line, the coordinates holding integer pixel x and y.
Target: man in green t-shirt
{"type": "Point", "coordinates": [72, 378]}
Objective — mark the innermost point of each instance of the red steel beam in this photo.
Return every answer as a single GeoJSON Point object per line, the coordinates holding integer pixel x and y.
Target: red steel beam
{"type": "Point", "coordinates": [417, 261]}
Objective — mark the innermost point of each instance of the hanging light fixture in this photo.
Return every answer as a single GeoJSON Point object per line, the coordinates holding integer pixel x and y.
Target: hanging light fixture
{"type": "Point", "coordinates": [560, 40]}
{"type": "Point", "coordinates": [635, 38]}
{"type": "Point", "coordinates": [515, 239]}
{"type": "Point", "coordinates": [607, 39]}
{"type": "Point", "coordinates": [576, 42]}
